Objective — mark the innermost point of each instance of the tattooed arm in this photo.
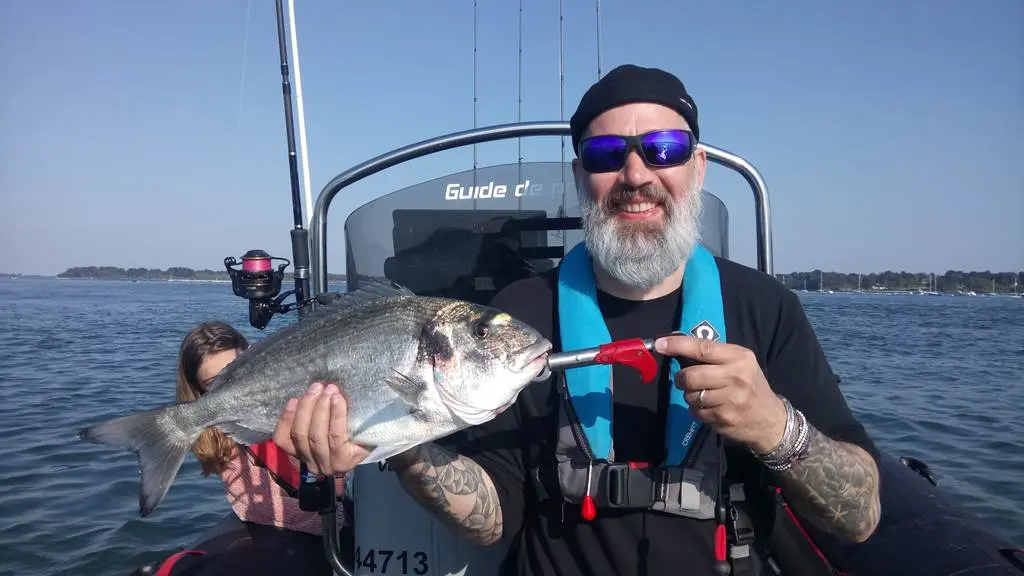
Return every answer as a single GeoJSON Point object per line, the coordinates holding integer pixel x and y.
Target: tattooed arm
{"type": "Point", "coordinates": [835, 487]}
{"type": "Point", "coordinates": [454, 488]}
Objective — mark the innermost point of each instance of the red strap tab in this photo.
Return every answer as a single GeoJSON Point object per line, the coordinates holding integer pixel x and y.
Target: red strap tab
{"type": "Point", "coordinates": [277, 462]}
{"type": "Point", "coordinates": [632, 353]}
{"type": "Point", "coordinates": [168, 565]}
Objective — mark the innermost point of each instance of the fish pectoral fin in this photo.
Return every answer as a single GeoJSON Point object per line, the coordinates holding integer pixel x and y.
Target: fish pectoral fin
{"type": "Point", "coordinates": [381, 453]}
{"type": "Point", "coordinates": [408, 390]}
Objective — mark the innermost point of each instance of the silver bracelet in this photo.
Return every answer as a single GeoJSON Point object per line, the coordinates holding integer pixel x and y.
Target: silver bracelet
{"type": "Point", "coordinates": [787, 435]}
{"type": "Point", "coordinates": [793, 444]}
{"type": "Point", "coordinates": [796, 453]}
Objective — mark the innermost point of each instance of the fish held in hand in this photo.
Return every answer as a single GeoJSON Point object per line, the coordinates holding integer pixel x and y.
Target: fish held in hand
{"type": "Point", "coordinates": [412, 369]}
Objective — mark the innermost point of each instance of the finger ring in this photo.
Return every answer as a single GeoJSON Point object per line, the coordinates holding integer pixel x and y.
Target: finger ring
{"type": "Point", "coordinates": [700, 399]}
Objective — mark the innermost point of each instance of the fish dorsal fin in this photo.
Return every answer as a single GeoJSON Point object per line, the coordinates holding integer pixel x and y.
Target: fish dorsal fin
{"type": "Point", "coordinates": [408, 389]}
{"type": "Point", "coordinates": [381, 287]}
{"type": "Point", "coordinates": [368, 290]}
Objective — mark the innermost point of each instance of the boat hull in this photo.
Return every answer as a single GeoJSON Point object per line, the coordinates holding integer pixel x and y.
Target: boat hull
{"type": "Point", "coordinates": [923, 532]}
{"type": "Point", "coordinates": [233, 547]}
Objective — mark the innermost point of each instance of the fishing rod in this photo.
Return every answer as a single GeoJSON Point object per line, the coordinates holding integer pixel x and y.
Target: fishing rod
{"type": "Point", "coordinates": [256, 280]}
{"type": "Point", "coordinates": [259, 283]}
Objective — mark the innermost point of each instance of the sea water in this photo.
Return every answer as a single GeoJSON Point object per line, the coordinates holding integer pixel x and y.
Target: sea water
{"type": "Point", "coordinates": [940, 378]}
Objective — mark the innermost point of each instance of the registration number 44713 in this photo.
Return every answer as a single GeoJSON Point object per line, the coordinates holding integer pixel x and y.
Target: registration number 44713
{"type": "Point", "coordinates": [380, 561]}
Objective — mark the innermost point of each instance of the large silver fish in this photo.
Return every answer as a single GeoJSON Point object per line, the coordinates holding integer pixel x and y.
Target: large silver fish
{"type": "Point", "coordinates": [413, 369]}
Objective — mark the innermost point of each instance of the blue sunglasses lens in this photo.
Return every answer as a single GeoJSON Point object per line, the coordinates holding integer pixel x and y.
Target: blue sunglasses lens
{"type": "Point", "coordinates": [603, 153]}
{"type": "Point", "coordinates": [667, 148]}
{"type": "Point", "coordinates": [661, 148]}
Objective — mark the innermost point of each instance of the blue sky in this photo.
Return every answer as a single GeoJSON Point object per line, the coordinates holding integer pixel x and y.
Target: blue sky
{"type": "Point", "coordinates": [890, 133]}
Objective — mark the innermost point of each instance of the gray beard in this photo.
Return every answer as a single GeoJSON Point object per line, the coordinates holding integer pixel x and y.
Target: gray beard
{"type": "Point", "coordinates": [640, 255]}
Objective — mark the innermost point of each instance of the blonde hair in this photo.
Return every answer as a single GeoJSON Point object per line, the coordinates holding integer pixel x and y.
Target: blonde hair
{"type": "Point", "coordinates": [213, 448]}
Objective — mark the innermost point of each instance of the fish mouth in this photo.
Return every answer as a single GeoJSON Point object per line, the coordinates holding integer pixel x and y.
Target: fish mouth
{"type": "Point", "coordinates": [533, 358]}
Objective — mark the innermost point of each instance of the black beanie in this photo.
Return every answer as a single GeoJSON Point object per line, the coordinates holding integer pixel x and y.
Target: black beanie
{"type": "Point", "coordinates": [629, 83]}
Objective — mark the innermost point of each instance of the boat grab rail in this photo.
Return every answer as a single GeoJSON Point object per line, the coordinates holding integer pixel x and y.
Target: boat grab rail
{"type": "Point", "coordinates": [318, 220]}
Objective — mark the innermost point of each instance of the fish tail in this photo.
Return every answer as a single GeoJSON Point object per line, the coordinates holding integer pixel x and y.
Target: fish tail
{"type": "Point", "coordinates": [160, 438]}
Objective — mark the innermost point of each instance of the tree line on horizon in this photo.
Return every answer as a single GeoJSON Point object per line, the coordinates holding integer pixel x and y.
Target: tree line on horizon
{"type": "Point", "coordinates": [951, 281]}
{"type": "Point", "coordinates": [172, 273]}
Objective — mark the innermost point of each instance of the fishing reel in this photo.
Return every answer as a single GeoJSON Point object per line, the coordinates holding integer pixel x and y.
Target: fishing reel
{"type": "Point", "coordinates": [258, 282]}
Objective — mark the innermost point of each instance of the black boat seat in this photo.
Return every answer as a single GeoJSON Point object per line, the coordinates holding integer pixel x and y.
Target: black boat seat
{"type": "Point", "coordinates": [471, 263]}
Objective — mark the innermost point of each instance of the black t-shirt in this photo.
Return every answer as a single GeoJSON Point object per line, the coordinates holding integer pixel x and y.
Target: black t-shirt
{"type": "Point", "coordinates": [548, 538]}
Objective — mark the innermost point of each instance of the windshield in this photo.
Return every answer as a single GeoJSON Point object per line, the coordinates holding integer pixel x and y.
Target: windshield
{"type": "Point", "coordinates": [468, 235]}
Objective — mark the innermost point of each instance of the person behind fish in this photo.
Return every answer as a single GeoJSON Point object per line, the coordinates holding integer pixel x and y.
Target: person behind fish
{"type": "Point", "coordinates": [747, 368]}
{"type": "Point", "coordinates": [254, 494]}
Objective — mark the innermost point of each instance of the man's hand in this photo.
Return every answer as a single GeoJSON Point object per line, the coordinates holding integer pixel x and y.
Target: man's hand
{"type": "Point", "coordinates": [835, 487]}
{"type": "Point", "coordinates": [728, 391]}
{"type": "Point", "coordinates": [314, 429]}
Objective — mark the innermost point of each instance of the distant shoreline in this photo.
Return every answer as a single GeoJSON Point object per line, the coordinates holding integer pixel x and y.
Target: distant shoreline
{"type": "Point", "coordinates": [4, 276]}
{"type": "Point", "coordinates": [173, 274]}
{"type": "Point", "coordinates": [951, 282]}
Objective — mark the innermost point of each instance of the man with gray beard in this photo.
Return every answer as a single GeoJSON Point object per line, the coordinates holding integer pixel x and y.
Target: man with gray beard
{"type": "Point", "coordinates": [639, 254]}
{"type": "Point", "coordinates": [593, 471]}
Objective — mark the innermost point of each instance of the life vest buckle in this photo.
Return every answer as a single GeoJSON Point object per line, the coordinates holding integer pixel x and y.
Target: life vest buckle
{"type": "Point", "coordinates": [630, 485]}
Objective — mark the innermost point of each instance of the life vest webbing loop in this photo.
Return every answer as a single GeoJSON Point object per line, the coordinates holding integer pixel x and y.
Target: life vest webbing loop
{"type": "Point", "coordinates": [741, 534]}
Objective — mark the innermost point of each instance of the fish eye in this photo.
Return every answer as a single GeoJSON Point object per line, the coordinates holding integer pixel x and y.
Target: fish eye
{"type": "Point", "coordinates": [481, 330]}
